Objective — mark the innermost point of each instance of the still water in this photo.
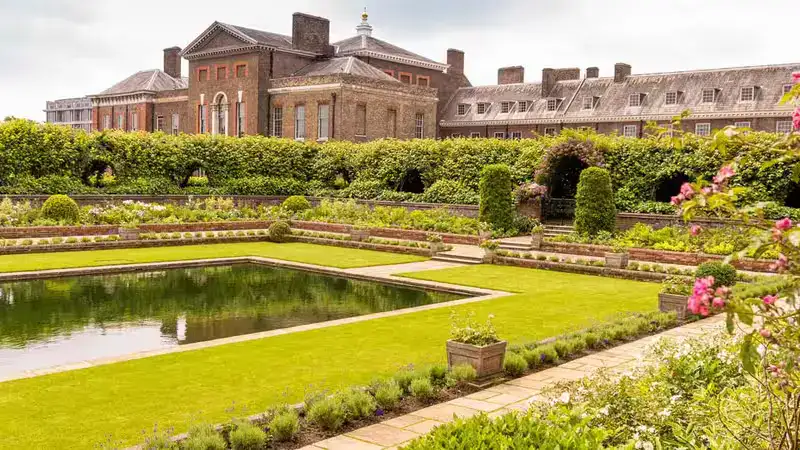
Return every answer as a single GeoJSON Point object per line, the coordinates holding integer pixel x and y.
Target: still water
{"type": "Point", "coordinates": [45, 323]}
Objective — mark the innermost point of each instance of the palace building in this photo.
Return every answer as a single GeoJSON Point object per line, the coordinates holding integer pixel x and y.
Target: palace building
{"type": "Point", "coordinates": [243, 81]}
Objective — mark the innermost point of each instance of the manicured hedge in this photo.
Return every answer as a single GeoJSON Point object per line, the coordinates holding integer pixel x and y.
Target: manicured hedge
{"type": "Point", "coordinates": [42, 158]}
{"type": "Point", "coordinates": [594, 203]}
{"type": "Point", "coordinates": [496, 204]}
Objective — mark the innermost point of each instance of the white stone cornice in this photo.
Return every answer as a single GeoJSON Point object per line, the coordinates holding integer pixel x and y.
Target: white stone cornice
{"type": "Point", "coordinates": [181, 98]}
{"type": "Point", "coordinates": [396, 58]}
{"type": "Point", "coordinates": [123, 99]}
{"type": "Point", "coordinates": [355, 87]}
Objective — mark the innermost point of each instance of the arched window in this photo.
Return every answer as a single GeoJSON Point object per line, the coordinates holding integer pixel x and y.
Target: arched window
{"type": "Point", "coordinates": [219, 114]}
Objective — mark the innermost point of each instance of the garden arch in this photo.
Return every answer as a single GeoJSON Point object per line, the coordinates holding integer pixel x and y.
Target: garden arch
{"type": "Point", "coordinates": [670, 187]}
{"type": "Point", "coordinates": [93, 172]}
{"type": "Point", "coordinates": [560, 170]}
{"type": "Point", "coordinates": [411, 182]}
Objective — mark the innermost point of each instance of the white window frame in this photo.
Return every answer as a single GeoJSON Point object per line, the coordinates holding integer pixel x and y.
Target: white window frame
{"type": "Point", "coordinates": [671, 98]}
{"type": "Point", "coordinates": [552, 104]}
{"type": "Point", "coordinates": [752, 95]}
{"type": "Point", "coordinates": [550, 131]}
{"type": "Point", "coordinates": [240, 118]}
{"type": "Point", "coordinates": [702, 129]}
{"type": "Point", "coordinates": [588, 103]}
{"type": "Point", "coordinates": [475, 134]}
{"type": "Point", "coordinates": [323, 122]}
{"type": "Point", "coordinates": [505, 107]}
{"type": "Point", "coordinates": [516, 135]}
{"type": "Point", "coordinates": [135, 121]}
{"type": "Point", "coordinates": [300, 122]}
{"type": "Point", "coordinates": [419, 126]}
{"type": "Point", "coordinates": [499, 135]}
{"type": "Point", "coordinates": [202, 122]}
{"type": "Point", "coordinates": [783, 126]}
{"type": "Point", "coordinates": [461, 109]}
{"type": "Point", "coordinates": [277, 121]}
{"type": "Point", "coordinates": [522, 106]}
{"type": "Point", "coordinates": [161, 123]}
{"type": "Point", "coordinates": [635, 100]}
{"type": "Point", "coordinates": [107, 121]}
{"type": "Point", "coordinates": [712, 92]}
{"type": "Point", "coordinates": [176, 124]}
{"type": "Point", "coordinates": [630, 131]}
{"type": "Point", "coordinates": [742, 124]}
{"type": "Point", "coordinates": [360, 122]}
{"type": "Point", "coordinates": [483, 106]}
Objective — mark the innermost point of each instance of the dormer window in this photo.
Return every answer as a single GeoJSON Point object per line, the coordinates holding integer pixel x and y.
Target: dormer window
{"type": "Point", "coordinates": [709, 95]}
{"type": "Point", "coordinates": [747, 94]}
{"type": "Point", "coordinates": [552, 104]}
{"type": "Point", "coordinates": [635, 99]}
{"type": "Point", "coordinates": [462, 109]}
{"type": "Point", "coordinates": [505, 107]}
{"type": "Point", "coordinates": [588, 103]}
{"type": "Point", "coordinates": [483, 107]}
{"type": "Point", "coordinates": [787, 88]}
{"type": "Point", "coordinates": [522, 106]}
{"type": "Point", "coordinates": [671, 98]}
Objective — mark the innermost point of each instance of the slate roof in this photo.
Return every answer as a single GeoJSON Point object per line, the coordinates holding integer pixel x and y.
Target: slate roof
{"type": "Point", "coordinates": [611, 100]}
{"type": "Point", "coordinates": [362, 44]}
{"type": "Point", "coordinates": [263, 37]}
{"type": "Point", "coordinates": [347, 65]}
{"type": "Point", "coordinates": [153, 80]}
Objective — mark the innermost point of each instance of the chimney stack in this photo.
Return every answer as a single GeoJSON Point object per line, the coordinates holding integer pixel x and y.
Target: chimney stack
{"type": "Point", "coordinates": [548, 81]}
{"type": "Point", "coordinates": [172, 62]}
{"type": "Point", "coordinates": [311, 34]}
{"type": "Point", "coordinates": [592, 72]}
{"type": "Point", "coordinates": [621, 72]}
{"type": "Point", "coordinates": [455, 59]}
{"type": "Point", "coordinates": [511, 75]}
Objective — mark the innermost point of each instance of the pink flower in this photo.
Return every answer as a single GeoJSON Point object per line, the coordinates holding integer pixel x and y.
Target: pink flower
{"type": "Point", "coordinates": [784, 224]}
{"type": "Point", "coordinates": [704, 311]}
{"type": "Point", "coordinates": [687, 191]}
{"type": "Point", "coordinates": [765, 333]}
{"type": "Point", "coordinates": [676, 200]}
{"type": "Point", "coordinates": [724, 173]}
{"type": "Point", "coordinates": [695, 230]}
{"type": "Point", "coordinates": [796, 77]}
{"type": "Point", "coordinates": [796, 119]}
{"type": "Point", "coordinates": [770, 299]}
{"type": "Point", "coordinates": [781, 263]}
{"type": "Point", "coordinates": [722, 291]}
{"type": "Point", "coordinates": [718, 303]}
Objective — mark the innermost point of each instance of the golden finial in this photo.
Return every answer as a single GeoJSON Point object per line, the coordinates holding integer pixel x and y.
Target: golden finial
{"type": "Point", "coordinates": [364, 15]}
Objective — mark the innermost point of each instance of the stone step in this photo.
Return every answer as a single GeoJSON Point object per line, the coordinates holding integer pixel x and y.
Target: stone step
{"type": "Point", "coordinates": [459, 259]}
{"type": "Point", "coordinates": [515, 247]}
{"type": "Point", "coordinates": [559, 228]}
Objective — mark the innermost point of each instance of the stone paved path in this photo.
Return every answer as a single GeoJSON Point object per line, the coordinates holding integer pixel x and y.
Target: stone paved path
{"type": "Point", "coordinates": [514, 395]}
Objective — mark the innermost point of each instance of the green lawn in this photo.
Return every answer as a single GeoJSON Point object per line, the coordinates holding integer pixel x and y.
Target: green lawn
{"type": "Point", "coordinates": [343, 258]}
{"type": "Point", "coordinates": [80, 408]}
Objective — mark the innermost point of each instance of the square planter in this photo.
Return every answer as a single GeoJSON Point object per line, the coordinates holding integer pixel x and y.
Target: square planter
{"type": "Point", "coordinates": [489, 255]}
{"type": "Point", "coordinates": [128, 234]}
{"type": "Point", "coordinates": [487, 360]}
{"type": "Point", "coordinates": [673, 302]}
{"type": "Point", "coordinates": [436, 247]}
{"type": "Point", "coordinates": [358, 235]}
{"type": "Point", "coordinates": [617, 260]}
{"type": "Point", "coordinates": [536, 240]}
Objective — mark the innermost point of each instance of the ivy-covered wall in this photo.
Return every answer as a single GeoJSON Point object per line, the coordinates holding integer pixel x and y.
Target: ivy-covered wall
{"type": "Point", "coordinates": [37, 158]}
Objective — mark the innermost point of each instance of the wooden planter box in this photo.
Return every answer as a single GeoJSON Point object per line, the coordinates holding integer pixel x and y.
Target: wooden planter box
{"type": "Point", "coordinates": [358, 235]}
{"type": "Point", "coordinates": [536, 240]}
{"type": "Point", "coordinates": [673, 302]}
{"type": "Point", "coordinates": [617, 260]}
{"type": "Point", "coordinates": [487, 360]}
{"type": "Point", "coordinates": [129, 234]}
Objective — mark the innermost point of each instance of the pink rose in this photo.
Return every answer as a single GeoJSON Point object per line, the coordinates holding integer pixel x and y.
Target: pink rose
{"type": "Point", "coordinates": [704, 310]}
{"type": "Point", "coordinates": [718, 303]}
{"type": "Point", "coordinates": [784, 224]}
{"type": "Point", "coordinates": [695, 230]}
{"type": "Point", "coordinates": [687, 191]}
{"type": "Point", "coordinates": [765, 333]}
{"type": "Point", "coordinates": [770, 299]}
{"type": "Point", "coordinates": [796, 77]}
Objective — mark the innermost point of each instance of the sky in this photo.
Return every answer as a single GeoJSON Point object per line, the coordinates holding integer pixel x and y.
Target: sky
{"type": "Point", "coordinates": [53, 49]}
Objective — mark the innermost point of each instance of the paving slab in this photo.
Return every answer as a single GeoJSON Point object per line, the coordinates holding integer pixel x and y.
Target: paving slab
{"type": "Point", "coordinates": [342, 442]}
{"type": "Point", "coordinates": [425, 426]}
{"type": "Point", "coordinates": [383, 435]}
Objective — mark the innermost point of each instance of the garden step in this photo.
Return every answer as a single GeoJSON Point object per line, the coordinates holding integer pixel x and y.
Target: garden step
{"type": "Point", "coordinates": [460, 259]}
{"type": "Point", "coordinates": [515, 246]}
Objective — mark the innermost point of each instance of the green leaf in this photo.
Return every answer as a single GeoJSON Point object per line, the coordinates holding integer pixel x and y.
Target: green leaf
{"type": "Point", "coordinates": [746, 353]}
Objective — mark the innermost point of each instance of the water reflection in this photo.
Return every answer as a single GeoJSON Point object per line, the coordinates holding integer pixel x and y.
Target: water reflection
{"type": "Point", "coordinates": [59, 321]}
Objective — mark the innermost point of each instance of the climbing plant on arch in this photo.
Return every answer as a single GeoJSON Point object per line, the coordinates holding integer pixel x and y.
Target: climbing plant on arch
{"type": "Point", "coordinates": [562, 164]}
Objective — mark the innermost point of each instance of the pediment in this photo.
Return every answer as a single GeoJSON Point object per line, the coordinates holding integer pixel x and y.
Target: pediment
{"type": "Point", "coordinates": [216, 37]}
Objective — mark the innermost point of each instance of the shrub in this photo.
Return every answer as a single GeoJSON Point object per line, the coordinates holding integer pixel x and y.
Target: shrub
{"type": "Point", "coordinates": [358, 404]}
{"type": "Point", "coordinates": [404, 378]}
{"type": "Point", "coordinates": [327, 413]}
{"type": "Point", "coordinates": [86, 239]}
{"type": "Point", "coordinates": [562, 347]}
{"type": "Point", "coordinates": [422, 389]}
{"type": "Point", "coordinates": [279, 232]}
{"type": "Point", "coordinates": [246, 436]}
{"type": "Point", "coordinates": [204, 437]}
{"type": "Point", "coordinates": [496, 204]}
{"type": "Point", "coordinates": [548, 353]}
{"type": "Point", "coordinates": [61, 208]}
{"type": "Point", "coordinates": [468, 331]}
{"type": "Point", "coordinates": [42, 242]}
{"type": "Point", "coordinates": [209, 234]}
{"type": "Point", "coordinates": [514, 364]}
{"type": "Point", "coordinates": [591, 339]}
{"type": "Point", "coordinates": [724, 274]}
{"type": "Point", "coordinates": [72, 240]}
{"type": "Point", "coordinates": [296, 203]}
{"type": "Point", "coordinates": [594, 203]}
{"type": "Point", "coordinates": [27, 242]}
{"type": "Point", "coordinates": [259, 185]}
{"type": "Point", "coordinates": [284, 425]}
{"type": "Point", "coordinates": [438, 373]}
{"type": "Point", "coordinates": [388, 394]}
{"type": "Point", "coordinates": [449, 191]}
{"type": "Point", "coordinates": [463, 373]}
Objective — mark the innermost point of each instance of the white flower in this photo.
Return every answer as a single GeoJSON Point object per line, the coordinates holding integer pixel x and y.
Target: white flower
{"type": "Point", "coordinates": [127, 202]}
{"type": "Point", "coordinates": [647, 446]}
{"type": "Point", "coordinates": [674, 398]}
{"type": "Point", "coordinates": [603, 410]}
{"type": "Point", "coordinates": [665, 413]}
{"type": "Point", "coordinates": [762, 349]}
{"type": "Point", "coordinates": [564, 397]}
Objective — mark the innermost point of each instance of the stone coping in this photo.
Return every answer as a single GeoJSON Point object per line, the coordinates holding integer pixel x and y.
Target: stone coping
{"type": "Point", "coordinates": [378, 274]}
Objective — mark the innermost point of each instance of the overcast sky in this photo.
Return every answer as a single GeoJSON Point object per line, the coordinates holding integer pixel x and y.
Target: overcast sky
{"type": "Point", "coordinates": [53, 49]}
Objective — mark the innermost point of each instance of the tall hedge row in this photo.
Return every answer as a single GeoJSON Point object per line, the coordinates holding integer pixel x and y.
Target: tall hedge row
{"type": "Point", "coordinates": [36, 157]}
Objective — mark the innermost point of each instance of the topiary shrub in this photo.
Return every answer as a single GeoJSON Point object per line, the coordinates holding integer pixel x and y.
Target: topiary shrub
{"type": "Point", "coordinates": [594, 203]}
{"type": "Point", "coordinates": [296, 203]}
{"type": "Point", "coordinates": [62, 208]}
{"type": "Point", "coordinates": [724, 274]}
{"type": "Point", "coordinates": [496, 204]}
{"type": "Point", "coordinates": [279, 232]}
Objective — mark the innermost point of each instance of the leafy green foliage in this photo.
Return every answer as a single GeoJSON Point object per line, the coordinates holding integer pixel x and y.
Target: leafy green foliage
{"type": "Point", "coordinates": [204, 437]}
{"type": "Point", "coordinates": [359, 404]}
{"type": "Point", "coordinates": [284, 425]}
{"type": "Point", "coordinates": [468, 331]}
{"type": "Point", "coordinates": [463, 373]}
{"type": "Point", "coordinates": [388, 394]}
{"type": "Point", "coordinates": [514, 364]}
{"type": "Point", "coordinates": [594, 203]}
{"type": "Point", "coordinates": [724, 274]}
{"type": "Point", "coordinates": [279, 232]}
{"type": "Point", "coordinates": [246, 436]}
{"type": "Point", "coordinates": [295, 204]}
{"type": "Point", "coordinates": [496, 201]}
{"type": "Point", "coordinates": [327, 413]}
{"type": "Point", "coordinates": [422, 388]}
{"type": "Point", "coordinates": [449, 191]}
{"type": "Point", "coordinates": [60, 208]}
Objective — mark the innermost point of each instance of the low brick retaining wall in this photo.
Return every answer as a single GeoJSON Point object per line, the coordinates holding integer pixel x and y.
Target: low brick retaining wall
{"type": "Point", "coordinates": [628, 220]}
{"type": "Point", "coordinates": [583, 270]}
{"type": "Point", "coordinates": [661, 256]}
{"type": "Point", "coordinates": [109, 245]}
{"type": "Point", "coordinates": [364, 245]}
